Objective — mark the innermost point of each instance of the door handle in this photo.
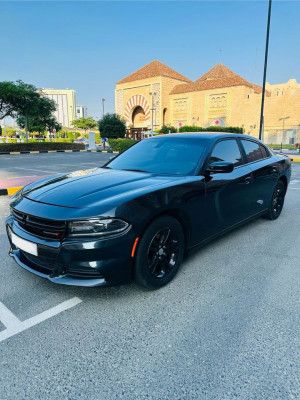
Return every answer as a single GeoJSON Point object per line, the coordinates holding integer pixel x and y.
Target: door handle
{"type": "Point", "coordinates": [247, 180]}
{"type": "Point", "coordinates": [274, 169]}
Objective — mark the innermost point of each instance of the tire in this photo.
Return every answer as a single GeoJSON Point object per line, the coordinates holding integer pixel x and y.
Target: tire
{"type": "Point", "coordinates": [277, 202]}
{"type": "Point", "coordinates": [160, 253]}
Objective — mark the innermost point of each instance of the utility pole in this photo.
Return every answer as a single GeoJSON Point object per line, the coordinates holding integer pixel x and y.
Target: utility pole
{"type": "Point", "coordinates": [26, 127]}
{"type": "Point", "coordinates": [265, 72]}
{"type": "Point", "coordinates": [103, 100]}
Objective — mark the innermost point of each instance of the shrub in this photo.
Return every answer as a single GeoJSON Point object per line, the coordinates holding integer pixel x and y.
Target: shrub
{"type": "Point", "coordinates": [36, 146]}
{"type": "Point", "coordinates": [121, 144]}
{"type": "Point", "coordinates": [166, 129]}
{"type": "Point", "coordinates": [111, 126]}
{"type": "Point", "coordinates": [230, 129]}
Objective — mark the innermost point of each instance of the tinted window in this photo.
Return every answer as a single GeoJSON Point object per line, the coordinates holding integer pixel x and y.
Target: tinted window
{"type": "Point", "coordinates": [170, 155]}
{"type": "Point", "coordinates": [264, 151]}
{"type": "Point", "coordinates": [253, 151]}
{"type": "Point", "coordinates": [226, 150]}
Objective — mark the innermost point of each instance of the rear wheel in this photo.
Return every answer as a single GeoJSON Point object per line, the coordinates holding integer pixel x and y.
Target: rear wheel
{"type": "Point", "coordinates": [277, 202]}
{"type": "Point", "coordinates": [160, 253]}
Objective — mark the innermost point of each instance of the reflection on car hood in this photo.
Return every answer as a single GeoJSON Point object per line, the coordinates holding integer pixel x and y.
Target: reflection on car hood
{"type": "Point", "coordinates": [88, 188]}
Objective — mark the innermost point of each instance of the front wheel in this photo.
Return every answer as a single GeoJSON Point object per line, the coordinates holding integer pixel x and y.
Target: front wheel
{"type": "Point", "coordinates": [277, 202]}
{"type": "Point", "coordinates": [160, 253]}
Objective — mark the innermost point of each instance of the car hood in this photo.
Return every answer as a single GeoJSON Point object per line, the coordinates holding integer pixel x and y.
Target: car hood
{"type": "Point", "coordinates": [89, 188]}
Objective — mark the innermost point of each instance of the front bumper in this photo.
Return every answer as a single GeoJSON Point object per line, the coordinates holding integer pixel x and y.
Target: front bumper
{"type": "Point", "coordinates": [77, 262]}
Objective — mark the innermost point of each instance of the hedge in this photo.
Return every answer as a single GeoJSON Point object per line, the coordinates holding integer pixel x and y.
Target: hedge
{"type": "Point", "coordinates": [8, 147]}
{"type": "Point", "coordinates": [121, 144]}
{"type": "Point", "coordinates": [230, 129]}
{"type": "Point", "coordinates": [188, 128]}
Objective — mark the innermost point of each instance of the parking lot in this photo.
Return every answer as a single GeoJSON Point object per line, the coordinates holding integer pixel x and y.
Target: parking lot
{"type": "Point", "coordinates": [12, 166]}
{"type": "Point", "coordinates": [226, 327]}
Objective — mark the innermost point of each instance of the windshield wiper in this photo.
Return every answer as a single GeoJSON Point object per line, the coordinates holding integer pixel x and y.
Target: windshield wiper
{"type": "Point", "coordinates": [134, 170]}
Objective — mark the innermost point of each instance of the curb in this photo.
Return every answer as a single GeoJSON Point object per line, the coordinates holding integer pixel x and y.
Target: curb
{"type": "Point", "coordinates": [10, 191]}
{"type": "Point", "coordinates": [56, 151]}
{"type": "Point", "coordinates": [294, 159]}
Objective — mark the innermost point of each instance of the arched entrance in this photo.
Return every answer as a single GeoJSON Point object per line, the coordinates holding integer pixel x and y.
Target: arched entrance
{"type": "Point", "coordinates": [137, 102]}
{"type": "Point", "coordinates": [138, 117]}
{"type": "Point", "coordinates": [164, 116]}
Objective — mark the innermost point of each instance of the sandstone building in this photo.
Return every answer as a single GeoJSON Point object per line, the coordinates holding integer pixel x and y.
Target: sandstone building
{"type": "Point", "coordinates": [156, 94]}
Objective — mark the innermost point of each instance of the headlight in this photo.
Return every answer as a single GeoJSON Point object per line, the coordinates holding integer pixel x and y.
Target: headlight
{"type": "Point", "coordinates": [97, 227]}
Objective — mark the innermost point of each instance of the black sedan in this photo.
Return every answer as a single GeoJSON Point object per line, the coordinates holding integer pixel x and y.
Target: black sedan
{"type": "Point", "coordinates": [138, 215]}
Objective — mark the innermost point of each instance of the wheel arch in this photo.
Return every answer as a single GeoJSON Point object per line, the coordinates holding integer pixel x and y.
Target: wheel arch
{"type": "Point", "coordinates": [179, 215]}
{"type": "Point", "coordinates": [284, 180]}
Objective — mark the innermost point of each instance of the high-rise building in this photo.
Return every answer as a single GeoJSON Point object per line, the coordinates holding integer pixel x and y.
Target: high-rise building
{"type": "Point", "coordinates": [81, 111]}
{"type": "Point", "coordinates": [66, 105]}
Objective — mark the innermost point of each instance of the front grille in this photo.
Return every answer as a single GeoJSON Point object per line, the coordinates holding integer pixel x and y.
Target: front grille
{"type": "Point", "coordinates": [45, 228]}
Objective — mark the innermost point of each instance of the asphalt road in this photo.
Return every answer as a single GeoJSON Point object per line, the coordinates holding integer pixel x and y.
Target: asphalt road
{"type": "Point", "coordinates": [226, 328]}
{"type": "Point", "coordinates": [12, 166]}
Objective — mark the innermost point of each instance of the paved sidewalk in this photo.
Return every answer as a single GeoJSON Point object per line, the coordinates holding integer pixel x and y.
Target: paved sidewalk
{"type": "Point", "coordinates": [10, 186]}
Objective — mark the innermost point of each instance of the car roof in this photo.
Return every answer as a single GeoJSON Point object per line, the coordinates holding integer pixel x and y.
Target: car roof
{"type": "Point", "coordinates": [204, 135]}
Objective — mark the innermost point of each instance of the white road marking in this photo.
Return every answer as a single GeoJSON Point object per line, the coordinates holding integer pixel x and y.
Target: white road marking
{"type": "Point", "coordinates": [294, 181]}
{"type": "Point", "coordinates": [32, 169]}
{"type": "Point", "coordinates": [15, 326]}
{"type": "Point", "coordinates": [8, 318]}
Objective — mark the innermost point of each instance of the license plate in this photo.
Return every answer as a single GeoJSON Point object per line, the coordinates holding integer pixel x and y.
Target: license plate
{"type": "Point", "coordinates": [23, 244]}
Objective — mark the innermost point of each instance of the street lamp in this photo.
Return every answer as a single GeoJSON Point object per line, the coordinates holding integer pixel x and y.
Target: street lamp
{"type": "Point", "coordinates": [103, 100]}
{"type": "Point", "coordinates": [152, 94]}
{"type": "Point", "coordinates": [265, 73]}
{"type": "Point", "coordinates": [283, 119]}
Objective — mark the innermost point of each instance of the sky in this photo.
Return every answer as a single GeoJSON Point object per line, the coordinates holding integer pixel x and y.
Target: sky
{"type": "Point", "coordinates": [90, 45]}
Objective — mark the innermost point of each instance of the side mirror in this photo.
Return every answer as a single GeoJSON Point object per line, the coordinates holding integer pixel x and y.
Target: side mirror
{"type": "Point", "coordinates": [221, 167]}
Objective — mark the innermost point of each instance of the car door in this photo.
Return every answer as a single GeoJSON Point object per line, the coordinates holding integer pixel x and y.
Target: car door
{"type": "Point", "coordinates": [264, 172]}
{"type": "Point", "coordinates": [227, 194]}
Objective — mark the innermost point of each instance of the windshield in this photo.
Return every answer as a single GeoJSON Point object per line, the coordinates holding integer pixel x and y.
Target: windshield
{"type": "Point", "coordinates": [177, 156]}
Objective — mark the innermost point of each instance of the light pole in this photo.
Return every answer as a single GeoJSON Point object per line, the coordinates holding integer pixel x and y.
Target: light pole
{"type": "Point", "coordinates": [152, 94]}
{"type": "Point", "coordinates": [265, 73]}
{"type": "Point", "coordinates": [103, 100]}
{"type": "Point", "coordinates": [283, 119]}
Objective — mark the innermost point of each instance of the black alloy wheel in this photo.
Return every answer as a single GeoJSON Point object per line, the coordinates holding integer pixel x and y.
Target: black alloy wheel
{"type": "Point", "coordinates": [277, 201]}
{"type": "Point", "coordinates": [160, 253]}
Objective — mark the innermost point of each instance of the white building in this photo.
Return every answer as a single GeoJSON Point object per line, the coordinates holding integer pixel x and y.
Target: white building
{"type": "Point", "coordinates": [65, 103]}
{"type": "Point", "coordinates": [81, 111]}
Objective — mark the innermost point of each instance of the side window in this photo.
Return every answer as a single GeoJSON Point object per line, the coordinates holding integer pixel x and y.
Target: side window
{"type": "Point", "coordinates": [253, 150]}
{"type": "Point", "coordinates": [264, 151]}
{"type": "Point", "coordinates": [226, 150]}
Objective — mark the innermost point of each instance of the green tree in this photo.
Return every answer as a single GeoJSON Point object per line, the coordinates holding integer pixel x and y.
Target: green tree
{"type": "Point", "coordinates": [40, 117]}
{"type": "Point", "coordinates": [22, 100]}
{"type": "Point", "coordinates": [112, 126]}
{"type": "Point", "coordinates": [84, 123]}
{"type": "Point", "coordinates": [9, 95]}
